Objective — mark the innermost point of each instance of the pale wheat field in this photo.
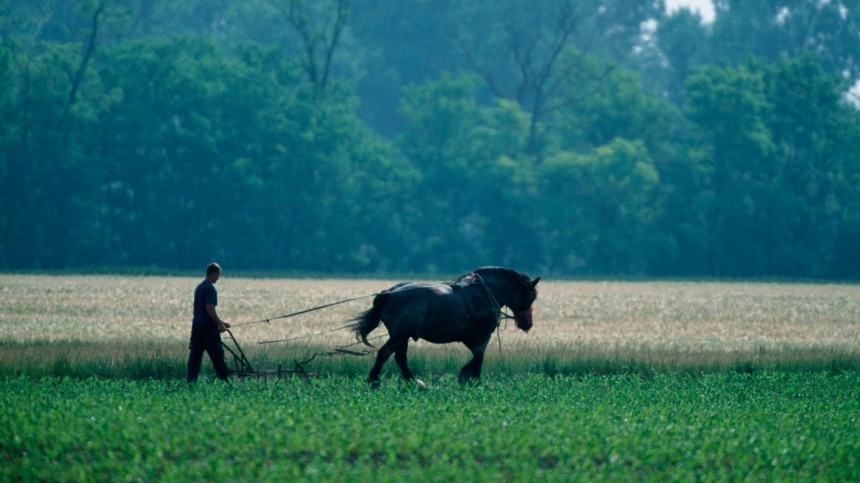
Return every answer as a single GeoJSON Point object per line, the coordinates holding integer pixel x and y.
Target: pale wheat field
{"type": "Point", "coordinates": [670, 324]}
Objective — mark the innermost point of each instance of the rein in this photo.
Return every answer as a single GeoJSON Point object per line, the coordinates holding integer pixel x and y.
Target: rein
{"type": "Point", "coordinates": [492, 298]}
{"type": "Point", "coordinates": [299, 337]}
{"type": "Point", "coordinates": [498, 319]}
{"type": "Point", "coordinates": [495, 301]}
{"type": "Point", "coordinates": [312, 309]}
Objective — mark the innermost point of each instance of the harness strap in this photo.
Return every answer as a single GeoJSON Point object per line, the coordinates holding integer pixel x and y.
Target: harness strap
{"type": "Point", "coordinates": [476, 279]}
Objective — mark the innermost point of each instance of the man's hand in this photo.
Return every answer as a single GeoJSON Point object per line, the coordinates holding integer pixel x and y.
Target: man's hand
{"type": "Point", "coordinates": [222, 326]}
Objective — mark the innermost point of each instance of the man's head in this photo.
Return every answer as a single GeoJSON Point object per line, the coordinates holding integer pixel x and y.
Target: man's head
{"type": "Point", "coordinates": [213, 272]}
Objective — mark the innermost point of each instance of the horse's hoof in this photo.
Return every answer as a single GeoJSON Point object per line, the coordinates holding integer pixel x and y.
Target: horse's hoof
{"type": "Point", "coordinates": [470, 381]}
{"type": "Point", "coordinates": [420, 384]}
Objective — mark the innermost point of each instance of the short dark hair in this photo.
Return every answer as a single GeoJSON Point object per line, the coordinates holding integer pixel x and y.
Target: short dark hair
{"type": "Point", "coordinates": [213, 268]}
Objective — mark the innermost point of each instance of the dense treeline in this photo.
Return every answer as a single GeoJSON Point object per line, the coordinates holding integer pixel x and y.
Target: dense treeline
{"type": "Point", "coordinates": [560, 137]}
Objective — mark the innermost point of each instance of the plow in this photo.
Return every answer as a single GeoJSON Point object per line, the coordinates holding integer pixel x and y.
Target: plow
{"type": "Point", "coordinates": [241, 366]}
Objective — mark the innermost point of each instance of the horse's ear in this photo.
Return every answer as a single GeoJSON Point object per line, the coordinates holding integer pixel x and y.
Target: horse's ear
{"type": "Point", "coordinates": [535, 281]}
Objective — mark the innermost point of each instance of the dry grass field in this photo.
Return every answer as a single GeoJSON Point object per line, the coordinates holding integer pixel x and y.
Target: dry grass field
{"type": "Point", "coordinates": [663, 325]}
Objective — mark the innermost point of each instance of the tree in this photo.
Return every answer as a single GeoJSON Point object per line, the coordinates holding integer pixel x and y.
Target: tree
{"type": "Point", "coordinates": [789, 28]}
{"type": "Point", "coordinates": [524, 58]}
{"type": "Point", "coordinates": [598, 209]}
{"type": "Point", "coordinates": [49, 173]}
{"type": "Point", "coordinates": [617, 27]}
{"type": "Point", "coordinates": [530, 134]}
{"type": "Point", "coordinates": [395, 44]}
{"type": "Point", "coordinates": [731, 107]}
{"type": "Point", "coordinates": [9, 134]}
{"type": "Point", "coordinates": [470, 202]}
{"type": "Point", "coordinates": [776, 138]}
{"type": "Point", "coordinates": [815, 134]}
{"type": "Point", "coordinates": [227, 161]}
{"type": "Point", "coordinates": [319, 26]}
{"type": "Point", "coordinates": [683, 40]}
{"type": "Point", "coordinates": [614, 105]}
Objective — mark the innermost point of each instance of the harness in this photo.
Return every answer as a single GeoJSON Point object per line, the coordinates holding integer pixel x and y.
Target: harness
{"type": "Point", "coordinates": [473, 311]}
{"type": "Point", "coordinates": [495, 310]}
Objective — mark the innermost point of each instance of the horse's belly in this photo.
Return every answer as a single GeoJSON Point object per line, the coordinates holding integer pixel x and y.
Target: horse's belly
{"type": "Point", "coordinates": [442, 339]}
{"type": "Point", "coordinates": [446, 327]}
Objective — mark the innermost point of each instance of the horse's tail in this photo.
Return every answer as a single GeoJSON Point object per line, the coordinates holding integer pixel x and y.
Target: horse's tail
{"type": "Point", "coordinates": [369, 320]}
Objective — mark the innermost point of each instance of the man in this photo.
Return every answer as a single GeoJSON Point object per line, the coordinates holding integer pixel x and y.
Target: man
{"type": "Point", "coordinates": [206, 327]}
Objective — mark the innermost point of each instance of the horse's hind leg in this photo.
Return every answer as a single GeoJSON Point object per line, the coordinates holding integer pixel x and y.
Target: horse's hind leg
{"type": "Point", "coordinates": [400, 359]}
{"type": "Point", "coordinates": [381, 356]}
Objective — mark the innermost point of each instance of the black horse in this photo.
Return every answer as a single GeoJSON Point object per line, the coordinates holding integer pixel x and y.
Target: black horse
{"type": "Point", "coordinates": [466, 310]}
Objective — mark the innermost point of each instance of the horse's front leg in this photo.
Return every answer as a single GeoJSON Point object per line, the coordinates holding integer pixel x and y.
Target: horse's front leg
{"type": "Point", "coordinates": [472, 369]}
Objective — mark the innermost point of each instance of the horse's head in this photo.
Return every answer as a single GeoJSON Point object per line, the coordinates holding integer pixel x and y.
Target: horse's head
{"type": "Point", "coordinates": [515, 289]}
{"type": "Point", "coordinates": [521, 303]}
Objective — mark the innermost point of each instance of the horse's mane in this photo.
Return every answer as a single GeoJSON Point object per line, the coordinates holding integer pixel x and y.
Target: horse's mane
{"type": "Point", "coordinates": [509, 271]}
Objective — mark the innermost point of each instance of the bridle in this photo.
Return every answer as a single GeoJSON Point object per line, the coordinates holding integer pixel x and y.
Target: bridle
{"type": "Point", "coordinates": [498, 306]}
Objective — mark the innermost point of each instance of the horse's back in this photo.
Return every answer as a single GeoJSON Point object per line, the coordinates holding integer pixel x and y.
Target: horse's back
{"type": "Point", "coordinates": [420, 295]}
{"type": "Point", "coordinates": [407, 291]}
{"type": "Point", "coordinates": [418, 309]}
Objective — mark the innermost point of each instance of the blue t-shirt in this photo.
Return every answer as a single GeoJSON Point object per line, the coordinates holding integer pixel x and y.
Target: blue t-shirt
{"type": "Point", "coordinates": [205, 293]}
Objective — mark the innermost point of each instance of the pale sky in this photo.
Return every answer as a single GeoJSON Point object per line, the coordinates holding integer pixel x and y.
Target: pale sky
{"type": "Point", "coordinates": [704, 7]}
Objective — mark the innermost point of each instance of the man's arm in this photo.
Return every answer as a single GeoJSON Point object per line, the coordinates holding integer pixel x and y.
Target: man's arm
{"type": "Point", "coordinates": [222, 326]}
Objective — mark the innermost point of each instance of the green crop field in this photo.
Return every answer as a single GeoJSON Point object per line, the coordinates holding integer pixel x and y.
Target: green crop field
{"type": "Point", "coordinates": [769, 426]}
{"type": "Point", "coordinates": [618, 380]}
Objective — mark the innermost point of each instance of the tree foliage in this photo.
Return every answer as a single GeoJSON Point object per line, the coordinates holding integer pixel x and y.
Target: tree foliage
{"type": "Point", "coordinates": [367, 137]}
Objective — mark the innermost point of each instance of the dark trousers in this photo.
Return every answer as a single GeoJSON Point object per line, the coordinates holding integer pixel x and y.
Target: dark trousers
{"type": "Point", "coordinates": [206, 338]}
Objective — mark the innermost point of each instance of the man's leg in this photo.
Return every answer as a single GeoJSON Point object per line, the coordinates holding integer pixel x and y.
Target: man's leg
{"type": "Point", "coordinates": [216, 354]}
{"type": "Point", "coordinates": [196, 347]}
